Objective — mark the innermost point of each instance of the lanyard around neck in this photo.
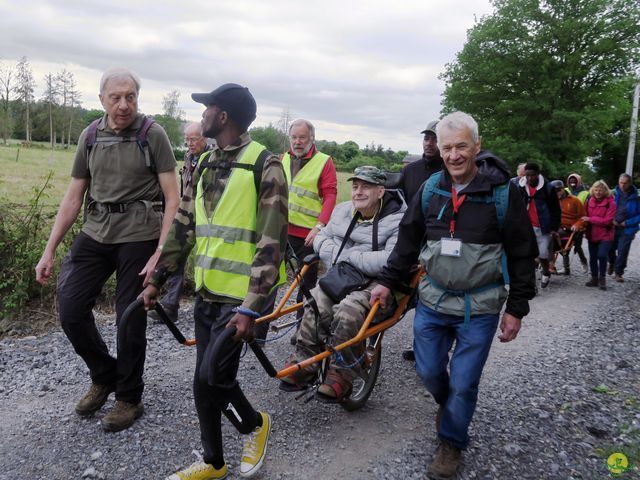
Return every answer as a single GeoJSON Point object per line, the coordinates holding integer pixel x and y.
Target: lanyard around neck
{"type": "Point", "coordinates": [456, 202]}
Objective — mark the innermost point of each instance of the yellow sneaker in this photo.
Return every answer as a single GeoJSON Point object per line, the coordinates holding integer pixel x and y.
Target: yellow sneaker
{"type": "Point", "coordinates": [255, 447]}
{"type": "Point", "coordinates": [200, 471]}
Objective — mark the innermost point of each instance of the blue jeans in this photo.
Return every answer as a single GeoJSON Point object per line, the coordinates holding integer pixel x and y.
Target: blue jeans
{"type": "Point", "coordinates": [619, 251]}
{"type": "Point", "coordinates": [456, 392]}
{"type": "Point", "coordinates": [598, 253]}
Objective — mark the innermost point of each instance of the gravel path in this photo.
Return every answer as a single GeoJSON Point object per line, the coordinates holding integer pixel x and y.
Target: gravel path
{"type": "Point", "coordinates": [553, 404]}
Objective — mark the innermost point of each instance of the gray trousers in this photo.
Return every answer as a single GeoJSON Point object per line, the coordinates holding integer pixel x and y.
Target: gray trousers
{"type": "Point", "coordinates": [174, 288]}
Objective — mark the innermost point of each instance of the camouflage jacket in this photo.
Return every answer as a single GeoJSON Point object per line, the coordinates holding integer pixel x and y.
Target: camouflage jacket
{"type": "Point", "coordinates": [271, 225]}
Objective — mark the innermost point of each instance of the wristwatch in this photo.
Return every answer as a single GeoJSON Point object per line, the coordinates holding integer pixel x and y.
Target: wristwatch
{"type": "Point", "coordinates": [319, 226]}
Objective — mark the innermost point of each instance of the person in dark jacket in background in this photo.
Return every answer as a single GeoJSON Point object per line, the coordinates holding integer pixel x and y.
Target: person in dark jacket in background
{"type": "Point", "coordinates": [626, 222]}
{"type": "Point", "coordinates": [544, 213]}
{"type": "Point", "coordinates": [414, 174]}
{"type": "Point", "coordinates": [465, 250]}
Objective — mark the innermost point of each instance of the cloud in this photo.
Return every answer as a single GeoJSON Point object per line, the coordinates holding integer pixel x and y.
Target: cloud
{"type": "Point", "coordinates": [363, 70]}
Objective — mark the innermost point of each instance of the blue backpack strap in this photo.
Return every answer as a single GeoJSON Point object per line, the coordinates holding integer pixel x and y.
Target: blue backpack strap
{"type": "Point", "coordinates": [501, 199]}
{"type": "Point", "coordinates": [431, 187]}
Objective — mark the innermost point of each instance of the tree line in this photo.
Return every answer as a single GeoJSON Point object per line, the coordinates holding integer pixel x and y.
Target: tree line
{"type": "Point", "coordinates": [549, 81]}
{"type": "Point", "coordinates": [58, 118]}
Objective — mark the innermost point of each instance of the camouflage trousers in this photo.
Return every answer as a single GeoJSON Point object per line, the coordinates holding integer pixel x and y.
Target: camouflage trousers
{"type": "Point", "coordinates": [338, 323]}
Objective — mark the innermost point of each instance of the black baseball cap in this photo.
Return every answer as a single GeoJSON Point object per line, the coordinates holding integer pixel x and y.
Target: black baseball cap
{"type": "Point", "coordinates": [431, 127]}
{"type": "Point", "coordinates": [234, 99]}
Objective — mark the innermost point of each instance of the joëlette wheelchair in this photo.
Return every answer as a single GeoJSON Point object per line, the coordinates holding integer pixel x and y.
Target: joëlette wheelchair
{"type": "Point", "coordinates": [370, 332]}
{"type": "Point", "coordinates": [562, 245]}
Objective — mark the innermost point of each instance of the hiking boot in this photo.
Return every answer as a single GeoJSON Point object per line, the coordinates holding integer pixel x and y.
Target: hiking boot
{"type": "Point", "coordinates": [336, 386]}
{"type": "Point", "coordinates": [122, 416]}
{"type": "Point", "coordinates": [172, 313]}
{"type": "Point", "coordinates": [94, 399]}
{"type": "Point", "coordinates": [593, 282]}
{"type": "Point", "coordinates": [610, 269]}
{"type": "Point", "coordinates": [200, 471]}
{"type": "Point", "coordinates": [585, 266]}
{"type": "Point", "coordinates": [409, 355]}
{"type": "Point", "coordinates": [618, 278]}
{"type": "Point", "coordinates": [300, 379]}
{"type": "Point", "coordinates": [445, 462]}
{"type": "Point", "coordinates": [255, 447]}
{"type": "Point", "coordinates": [602, 283]}
{"type": "Point", "coordinates": [544, 281]}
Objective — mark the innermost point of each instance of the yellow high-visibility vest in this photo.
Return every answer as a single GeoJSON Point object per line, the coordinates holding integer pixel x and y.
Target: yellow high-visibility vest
{"type": "Point", "coordinates": [304, 199]}
{"type": "Point", "coordinates": [226, 241]}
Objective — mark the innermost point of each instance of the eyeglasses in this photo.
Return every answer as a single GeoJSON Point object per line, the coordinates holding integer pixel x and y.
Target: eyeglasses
{"type": "Point", "coordinates": [192, 139]}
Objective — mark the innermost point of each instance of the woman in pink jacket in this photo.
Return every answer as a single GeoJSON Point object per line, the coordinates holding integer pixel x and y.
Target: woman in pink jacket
{"type": "Point", "coordinates": [601, 210]}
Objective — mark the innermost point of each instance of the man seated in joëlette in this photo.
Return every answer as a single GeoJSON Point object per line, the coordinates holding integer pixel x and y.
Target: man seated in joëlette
{"type": "Point", "coordinates": [372, 210]}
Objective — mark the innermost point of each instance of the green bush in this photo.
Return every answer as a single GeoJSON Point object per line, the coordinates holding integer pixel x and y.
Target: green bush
{"type": "Point", "coordinates": [21, 243]}
{"type": "Point", "coordinates": [24, 230]}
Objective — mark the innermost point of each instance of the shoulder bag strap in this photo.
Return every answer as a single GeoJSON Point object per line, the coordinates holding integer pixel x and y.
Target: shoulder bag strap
{"type": "Point", "coordinates": [352, 225]}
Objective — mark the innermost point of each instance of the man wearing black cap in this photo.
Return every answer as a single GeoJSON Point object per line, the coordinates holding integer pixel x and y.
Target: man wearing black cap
{"type": "Point", "coordinates": [235, 213]}
{"type": "Point", "coordinates": [416, 173]}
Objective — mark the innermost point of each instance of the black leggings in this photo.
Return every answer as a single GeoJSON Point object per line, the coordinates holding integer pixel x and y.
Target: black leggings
{"type": "Point", "coordinates": [226, 396]}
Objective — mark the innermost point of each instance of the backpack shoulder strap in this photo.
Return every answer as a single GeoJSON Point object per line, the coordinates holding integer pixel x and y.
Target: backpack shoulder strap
{"type": "Point", "coordinates": [501, 199]}
{"type": "Point", "coordinates": [92, 135]}
{"type": "Point", "coordinates": [143, 143]}
{"type": "Point", "coordinates": [431, 187]}
{"type": "Point", "coordinates": [256, 168]}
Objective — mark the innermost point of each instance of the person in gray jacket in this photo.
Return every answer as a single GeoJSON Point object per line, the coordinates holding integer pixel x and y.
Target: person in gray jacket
{"type": "Point", "coordinates": [371, 210]}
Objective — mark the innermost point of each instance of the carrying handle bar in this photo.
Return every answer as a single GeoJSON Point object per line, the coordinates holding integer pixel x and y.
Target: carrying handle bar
{"type": "Point", "coordinates": [209, 368]}
{"type": "Point", "coordinates": [139, 304]}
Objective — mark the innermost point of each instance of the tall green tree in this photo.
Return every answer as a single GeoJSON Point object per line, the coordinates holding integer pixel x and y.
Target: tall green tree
{"type": "Point", "coordinates": [69, 101]}
{"type": "Point", "coordinates": [545, 78]}
{"type": "Point", "coordinates": [271, 137]}
{"type": "Point", "coordinates": [172, 117]}
{"type": "Point", "coordinates": [25, 86]}
{"type": "Point", "coordinates": [51, 97]}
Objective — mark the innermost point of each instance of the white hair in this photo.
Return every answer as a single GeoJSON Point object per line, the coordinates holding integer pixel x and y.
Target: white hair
{"type": "Point", "coordinates": [301, 121]}
{"type": "Point", "coordinates": [193, 126]}
{"type": "Point", "coordinates": [119, 72]}
{"type": "Point", "coordinates": [458, 121]}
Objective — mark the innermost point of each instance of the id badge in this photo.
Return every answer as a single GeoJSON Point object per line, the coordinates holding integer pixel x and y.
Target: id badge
{"type": "Point", "coordinates": [451, 247]}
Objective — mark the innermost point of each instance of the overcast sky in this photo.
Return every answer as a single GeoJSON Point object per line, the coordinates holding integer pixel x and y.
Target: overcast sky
{"type": "Point", "coordinates": [359, 70]}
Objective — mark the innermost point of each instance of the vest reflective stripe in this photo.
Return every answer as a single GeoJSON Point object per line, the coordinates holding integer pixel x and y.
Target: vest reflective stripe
{"type": "Point", "coordinates": [305, 211]}
{"type": "Point", "coordinates": [304, 198]}
{"type": "Point", "coordinates": [226, 241]}
{"type": "Point", "coordinates": [228, 234]}
{"type": "Point", "coordinates": [303, 193]}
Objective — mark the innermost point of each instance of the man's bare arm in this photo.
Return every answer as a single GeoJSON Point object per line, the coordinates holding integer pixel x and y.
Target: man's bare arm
{"type": "Point", "coordinates": [67, 214]}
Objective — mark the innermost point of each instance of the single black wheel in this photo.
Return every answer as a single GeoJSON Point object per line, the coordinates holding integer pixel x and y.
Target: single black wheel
{"type": "Point", "coordinates": [367, 375]}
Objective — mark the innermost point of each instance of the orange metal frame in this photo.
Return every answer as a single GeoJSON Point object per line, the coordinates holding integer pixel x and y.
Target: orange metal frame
{"type": "Point", "coordinates": [366, 330]}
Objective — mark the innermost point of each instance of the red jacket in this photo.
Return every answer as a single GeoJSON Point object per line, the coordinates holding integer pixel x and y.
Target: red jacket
{"type": "Point", "coordinates": [601, 214]}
